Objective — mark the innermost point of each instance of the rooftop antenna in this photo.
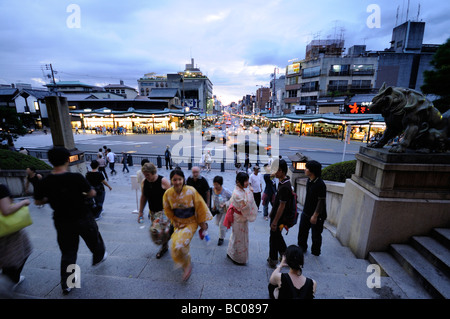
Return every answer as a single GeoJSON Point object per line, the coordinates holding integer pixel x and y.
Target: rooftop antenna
{"type": "Point", "coordinates": [418, 12]}
{"type": "Point", "coordinates": [407, 11]}
{"type": "Point", "coordinates": [396, 17]}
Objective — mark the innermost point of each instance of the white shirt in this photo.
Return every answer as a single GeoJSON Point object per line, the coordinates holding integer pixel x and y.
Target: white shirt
{"type": "Point", "coordinates": [255, 182]}
{"type": "Point", "coordinates": [110, 157]}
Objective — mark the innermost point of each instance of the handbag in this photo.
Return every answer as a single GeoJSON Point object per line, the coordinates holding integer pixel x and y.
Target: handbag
{"type": "Point", "coordinates": [15, 222]}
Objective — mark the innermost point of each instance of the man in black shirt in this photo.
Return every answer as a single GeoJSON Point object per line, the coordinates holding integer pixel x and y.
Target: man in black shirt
{"type": "Point", "coordinates": [200, 184]}
{"type": "Point", "coordinates": [66, 193]}
{"type": "Point", "coordinates": [277, 245]}
{"type": "Point", "coordinates": [314, 211]}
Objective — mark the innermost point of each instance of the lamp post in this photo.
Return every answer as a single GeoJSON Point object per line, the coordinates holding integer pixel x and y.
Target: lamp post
{"type": "Point", "coordinates": [186, 109]}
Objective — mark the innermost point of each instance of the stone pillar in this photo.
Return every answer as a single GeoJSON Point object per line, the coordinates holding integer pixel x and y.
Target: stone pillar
{"type": "Point", "coordinates": [392, 197]}
{"type": "Point", "coordinates": [61, 129]}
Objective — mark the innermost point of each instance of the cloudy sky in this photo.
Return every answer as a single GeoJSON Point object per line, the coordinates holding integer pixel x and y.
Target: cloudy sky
{"type": "Point", "coordinates": [236, 43]}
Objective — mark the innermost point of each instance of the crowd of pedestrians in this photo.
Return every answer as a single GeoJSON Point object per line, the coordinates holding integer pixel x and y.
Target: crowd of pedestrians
{"type": "Point", "coordinates": [177, 208]}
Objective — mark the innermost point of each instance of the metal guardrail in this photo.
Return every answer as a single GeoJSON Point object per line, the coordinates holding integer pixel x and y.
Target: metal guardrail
{"type": "Point", "coordinates": [156, 159]}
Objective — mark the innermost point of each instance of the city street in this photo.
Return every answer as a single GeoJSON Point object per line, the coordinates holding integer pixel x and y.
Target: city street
{"type": "Point", "coordinates": [326, 151]}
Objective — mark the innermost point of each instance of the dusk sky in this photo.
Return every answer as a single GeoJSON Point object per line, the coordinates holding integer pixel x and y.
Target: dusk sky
{"type": "Point", "coordinates": [237, 44]}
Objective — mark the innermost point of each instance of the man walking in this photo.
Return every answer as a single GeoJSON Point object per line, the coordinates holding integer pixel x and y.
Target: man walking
{"type": "Point", "coordinates": [256, 185]}
{"type": "Point", "coordinates": [168, 158]}
{"type": "Point", "coordinates": [200, 184]}
{"type": "Point", "coordinates": [66, 193]}
{"type": "Point", "coordinates": [314, 211]}
{"type": "Point", "coordinates": [277, 245]}
{"type": "Point", "coordinates": [111, 158]}
{"type": "Point", "coordinates": [125, 162]}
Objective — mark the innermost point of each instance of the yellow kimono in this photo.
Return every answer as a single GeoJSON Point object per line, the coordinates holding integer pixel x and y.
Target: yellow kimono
{"type": "Point", "coordinates": [186, 211]}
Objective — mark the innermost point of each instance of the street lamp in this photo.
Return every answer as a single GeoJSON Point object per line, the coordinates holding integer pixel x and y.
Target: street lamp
{"type": "Point", "coordinates": [186, 109]}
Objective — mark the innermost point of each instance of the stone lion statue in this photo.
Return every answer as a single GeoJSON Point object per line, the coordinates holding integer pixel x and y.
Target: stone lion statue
{"type": "Point", "coordinates": [408, 112]}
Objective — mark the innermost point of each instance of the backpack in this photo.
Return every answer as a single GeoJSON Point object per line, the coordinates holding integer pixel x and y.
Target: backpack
{"type": "Point", "coordinates": [290, 214]}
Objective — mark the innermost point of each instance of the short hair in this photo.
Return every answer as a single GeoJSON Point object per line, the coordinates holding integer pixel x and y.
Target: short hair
{"type": "Point", "coordinates": [149, 168]}
{"type": "Point", "coordinates": [218, 179]}
{"type": "Point", "coordinates": [94, 164]}
{"type": "Point", "coordinates": [294, 257]}
{"type": "Point", "coordinates": [58, 155]}
{"type": "Point", "coordinates": [145, 160]}
{"type": "Point", "coordinates": [241, 178]}
{"type": "Point", "coordinates": [32, 168]}
{"type": "Point", "coordinates": [314, 167]}
{"type": "Point", "coordinates": [279, 165]}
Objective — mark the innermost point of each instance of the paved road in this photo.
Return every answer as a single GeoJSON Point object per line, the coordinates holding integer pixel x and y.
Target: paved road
{"type": "Point", "coordinates": [327, 151]}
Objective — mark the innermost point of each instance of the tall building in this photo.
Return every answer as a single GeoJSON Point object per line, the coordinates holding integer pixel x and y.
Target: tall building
{"type": "Point", "coordinates": [405, 61]}
{"type": "Point", "coordinates": [326, 80]}
{"type": "Point", "coordinates": [195, 89]}
{"type": "Point", "coordinates": [263, 98]}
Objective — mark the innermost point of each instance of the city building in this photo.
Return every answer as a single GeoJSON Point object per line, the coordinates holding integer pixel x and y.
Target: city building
{"type": "Point", "coordinates": [263, 98]}
{"type": "Point", "coordinates": [127, 91]}
{"type": "Point", "coordinates": [405, 61]}
{"type": "Point", "coordinates": [195, 88]}
{"type": "Point", "coordinates": [329, 81]}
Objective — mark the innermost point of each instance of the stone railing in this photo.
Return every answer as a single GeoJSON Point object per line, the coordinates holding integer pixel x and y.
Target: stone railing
{"type": "Point", "coordinates": [15, 181]}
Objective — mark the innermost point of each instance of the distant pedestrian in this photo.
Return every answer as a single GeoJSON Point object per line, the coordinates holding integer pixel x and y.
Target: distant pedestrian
{"type": "Point", "coordinates": [97, 180]}
{"type": "Point", "coordinates": [242, 210]}
{"type": "Point", "coordinates": [23, 151]}
{"type": "Point", "coordinates": [32, 178]}
{"type": "Point", "coordinates": [153, 188]}
{"type": "Point", "coordinates": [220, 202]}
{"type": "Point", "coordinates": [66, 192]}
{"type": "Point", "coordinates": [111, 158]}
{"type": "Point", "coordinates": [256, 185]}
{"type": "Point", "coordinates": [208, 161]}
{"type": "Point", "coordinates": [168, 158]}
{"type": "Point", "coordinates": [200, 184]}
{"type": "Point", "coordinates": [15, 248]}
{"type": "Point", "coordinates": [247, 164]}
{"type": "Point", "coordinates": [291, 285]}
{"type": "Point", "coordinates": [102, 165]}
{"type": "Point", "coordinates": [268, 196]}
{"type": "Point", "coordinates": [277, 245]}
{"type": "Point", "coordinates": [125, 162]}
{"type": "Point", "coordinates": [187, 211]}
{"type": "Point", "coordinates": [314, 210]}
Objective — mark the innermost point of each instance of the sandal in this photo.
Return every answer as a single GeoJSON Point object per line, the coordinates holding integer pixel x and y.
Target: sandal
{"type": "Point", "coordinates": [162, 251]}
{"type": "Point", "coordinates": [187, 274]}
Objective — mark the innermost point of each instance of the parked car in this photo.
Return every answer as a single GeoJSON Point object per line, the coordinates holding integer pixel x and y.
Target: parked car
{"type": "Point", "coordinates": [251, 147]}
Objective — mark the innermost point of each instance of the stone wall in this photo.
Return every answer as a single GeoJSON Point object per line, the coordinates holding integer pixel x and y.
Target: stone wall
{"type": "Point", "coordinates": [335, 192]}
{"type": "Point", "coordinates": [15, 181]}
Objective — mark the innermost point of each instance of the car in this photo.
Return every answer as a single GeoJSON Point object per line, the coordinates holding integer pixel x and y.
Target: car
{"type": "Point", "coordinates": [251, 147]}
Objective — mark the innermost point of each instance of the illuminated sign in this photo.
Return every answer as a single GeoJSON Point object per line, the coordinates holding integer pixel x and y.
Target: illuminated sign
{"type": "Point", "coordinates": [293, 68]}
{"type": "Point", "coordinates": [363, 108]}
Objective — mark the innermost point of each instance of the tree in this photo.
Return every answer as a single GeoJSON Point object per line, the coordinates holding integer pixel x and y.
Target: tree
{"type": "Point", "coordinates": [437, 81]}
{"type": "Point", "coordinates": [10, 123]}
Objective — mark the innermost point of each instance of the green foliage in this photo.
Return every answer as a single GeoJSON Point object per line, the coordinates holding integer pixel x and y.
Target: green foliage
{"type": "Point", "coordinates": [10, 123]}
{"type": "Point", "coordinates": [15, 160]}
{"type": "Point", "coordinates": [339, 172]}
{"type": "Point", "coordinates": [437, 81]}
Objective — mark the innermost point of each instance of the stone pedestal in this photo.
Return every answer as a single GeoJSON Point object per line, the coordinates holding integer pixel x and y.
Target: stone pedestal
{"type": "Point", "coordinates": [61, 129]}
{"type": "Point", "coordinates": [392, 197]}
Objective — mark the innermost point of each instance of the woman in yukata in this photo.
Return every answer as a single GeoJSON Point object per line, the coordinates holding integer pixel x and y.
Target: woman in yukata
{"type": "Point", "coordinates": [187, 210]}
{"type": "Point", "coordinates": [242, 210]}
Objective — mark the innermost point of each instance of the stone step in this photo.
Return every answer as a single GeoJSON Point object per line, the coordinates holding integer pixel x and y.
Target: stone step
{"type": "Point", "coordinates": [390, 267]}
{"type": "Point", "coordinates": [434, 280]}
{"type": "Point", "coordinates": [442, 235]}
{"type": "Point", "coordinates": [432, 250]}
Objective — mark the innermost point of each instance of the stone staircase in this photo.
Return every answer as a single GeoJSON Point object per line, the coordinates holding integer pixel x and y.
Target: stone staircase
{"type": "Point", "coordinates": [420, 268]}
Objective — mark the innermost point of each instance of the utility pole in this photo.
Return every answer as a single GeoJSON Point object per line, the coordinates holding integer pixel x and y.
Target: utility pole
{"type": "Point", "coordinates": [50, 67]}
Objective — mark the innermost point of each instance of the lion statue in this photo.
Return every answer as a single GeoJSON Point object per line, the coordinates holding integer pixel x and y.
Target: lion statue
{"type": "Point", "coordinates": [409, 113]}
